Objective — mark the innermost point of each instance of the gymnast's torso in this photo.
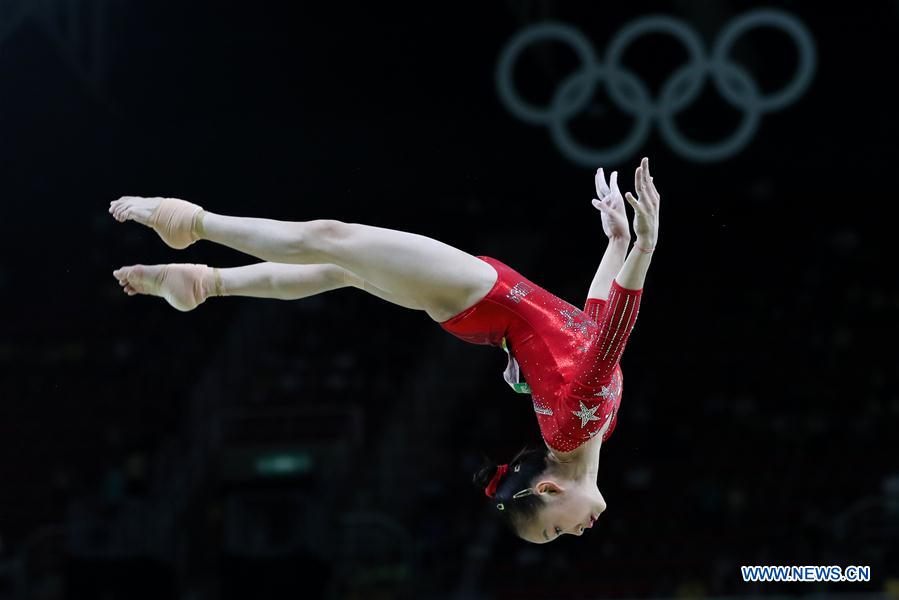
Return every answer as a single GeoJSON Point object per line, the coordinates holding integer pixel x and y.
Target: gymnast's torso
{"type": "Point", "coordinates": [568, 357]}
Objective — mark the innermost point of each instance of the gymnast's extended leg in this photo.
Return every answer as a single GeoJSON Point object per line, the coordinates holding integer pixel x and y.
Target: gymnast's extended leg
{"type": "Point", "coordinates": [415, 269]}
{"type": "Point", "coordinates": [187, 285]}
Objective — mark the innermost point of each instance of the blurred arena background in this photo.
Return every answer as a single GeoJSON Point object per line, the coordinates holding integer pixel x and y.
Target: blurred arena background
{"type": "Point", "coordinates": [319, 448]}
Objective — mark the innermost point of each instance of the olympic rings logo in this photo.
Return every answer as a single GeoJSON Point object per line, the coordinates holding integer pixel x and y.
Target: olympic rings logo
{"type": "Point", "coordinates": [631, 95]}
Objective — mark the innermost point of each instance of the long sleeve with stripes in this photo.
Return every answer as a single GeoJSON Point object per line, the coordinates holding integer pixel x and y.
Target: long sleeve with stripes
{"type": "Point", "coordinates": [616, 318]}
{"type": "Point", "coordinates": [593, 307]}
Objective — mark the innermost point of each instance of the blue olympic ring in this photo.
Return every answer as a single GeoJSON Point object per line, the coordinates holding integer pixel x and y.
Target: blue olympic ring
{"type": "Point", "coordinates": [632, 96]}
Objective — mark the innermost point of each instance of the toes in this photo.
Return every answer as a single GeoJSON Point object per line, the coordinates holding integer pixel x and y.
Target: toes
{"type": "Point", "coordinates": [122, 274]}
{"type": "Point", "coordinates": [129, 286]}
{"type": "Point", "coordinates": [119, 208]}
{"type": "Point", "coordinates": [128, 279]}
{"type": "Point", "coordinates": [136, 279]}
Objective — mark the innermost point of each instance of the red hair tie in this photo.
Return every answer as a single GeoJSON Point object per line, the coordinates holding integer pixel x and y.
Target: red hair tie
{"type": "Point", "coordinates": [490, 490]}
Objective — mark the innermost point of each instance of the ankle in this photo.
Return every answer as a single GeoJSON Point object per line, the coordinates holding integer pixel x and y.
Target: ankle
{"type": "Point", "coordinates": [211, 282]}
{"type": "Point", "coordinates": [196, 227]}
{"type": "Point", "coordinates": [218, 289]}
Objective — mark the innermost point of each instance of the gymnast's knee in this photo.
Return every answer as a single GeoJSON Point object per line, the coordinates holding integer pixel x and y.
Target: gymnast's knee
{"type": "Point", "coordinates": [317, 239]}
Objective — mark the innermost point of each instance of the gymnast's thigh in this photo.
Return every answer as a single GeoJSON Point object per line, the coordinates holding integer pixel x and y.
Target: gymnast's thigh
{"type": "Point", "coordinates": [415, 269]}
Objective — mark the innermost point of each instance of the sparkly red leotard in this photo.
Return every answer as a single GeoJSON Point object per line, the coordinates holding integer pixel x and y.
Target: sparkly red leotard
{"type": "Point", "coordinates": [568, 357]}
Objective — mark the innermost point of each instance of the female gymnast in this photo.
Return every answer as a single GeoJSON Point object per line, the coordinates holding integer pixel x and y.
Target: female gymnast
{"type": "Point", "coordinates": [565, 358]}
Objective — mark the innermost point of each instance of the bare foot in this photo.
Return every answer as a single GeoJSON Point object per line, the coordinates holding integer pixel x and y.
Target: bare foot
{"type": "Point", "coordinates": [184, 286]}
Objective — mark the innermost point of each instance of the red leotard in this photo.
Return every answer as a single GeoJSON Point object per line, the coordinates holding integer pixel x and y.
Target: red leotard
{"type": "Point", "coordinates": [568, 357]}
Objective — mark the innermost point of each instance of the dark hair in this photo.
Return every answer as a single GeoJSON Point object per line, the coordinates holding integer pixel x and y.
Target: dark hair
{"type": "Point", "coordinates": [516, 512]}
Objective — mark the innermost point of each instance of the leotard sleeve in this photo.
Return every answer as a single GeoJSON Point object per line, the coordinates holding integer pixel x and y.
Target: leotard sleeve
{"type": "Point", "coordinates": [616, 318]}
{"type": "Point", "coordinates": [593, 307]}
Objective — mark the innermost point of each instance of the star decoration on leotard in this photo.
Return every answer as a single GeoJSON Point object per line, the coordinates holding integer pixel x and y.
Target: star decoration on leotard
{"type": "Point", "coordinates": [577, 319]}
{"type": "Point", "coordinates": [586, 414]}
{"type": "Point", "coordinates": [587, 343]}
{"type": "Point", "coordinates": [585, 347]}
{"type": "Point", "coordinates": [606, 392]}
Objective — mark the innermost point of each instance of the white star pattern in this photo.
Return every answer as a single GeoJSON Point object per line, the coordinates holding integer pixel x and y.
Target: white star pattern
{"type": "Point", "coordinates": [606, 391]}
{"type": "Point", "coordinates": [586, 414]}
{"type": "Point", "coordinates": [577, 319]}
{"type": "Point", "coordinates": [585, 347]}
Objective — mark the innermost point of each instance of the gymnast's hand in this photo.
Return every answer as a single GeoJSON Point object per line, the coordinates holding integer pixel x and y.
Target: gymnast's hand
{"type": "Point", "coordinates": [611, 205]}
{"type": "Point", "coordinates": [646, 206]}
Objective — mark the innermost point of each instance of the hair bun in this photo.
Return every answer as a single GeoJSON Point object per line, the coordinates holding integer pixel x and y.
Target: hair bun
{"type": "Point", "coordinates": [485, 474]}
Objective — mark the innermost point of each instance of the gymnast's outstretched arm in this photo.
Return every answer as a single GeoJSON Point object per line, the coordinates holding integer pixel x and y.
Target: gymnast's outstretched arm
{"type": "Point", "coordinates": [646, 227]}
{"type": "Point", "coordinates": [614, 223]}
{"type": "Point", "coordinates": [611, 263]}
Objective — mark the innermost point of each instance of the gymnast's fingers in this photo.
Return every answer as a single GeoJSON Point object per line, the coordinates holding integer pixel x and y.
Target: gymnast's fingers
{"type": "Point", "coordinates": [638, 206]}
{"type": "Point", "coordinates": [638, 183]}
{"type": "Point", "coordinates": [602, 190]}
{"type": "Point", "coordinates": [616, 193]}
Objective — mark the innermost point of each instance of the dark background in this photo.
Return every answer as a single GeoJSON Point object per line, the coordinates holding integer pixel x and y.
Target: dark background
{"type": "Point", "coordinates": [759, 422]}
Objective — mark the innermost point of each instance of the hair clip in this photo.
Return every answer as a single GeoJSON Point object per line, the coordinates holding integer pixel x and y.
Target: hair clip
{"type": "Point", "coordinates": [517, 468]}
{"type": "Point", "coordinates": [500, 506]}
{"type": "Point", "coordinates": [523, 493]}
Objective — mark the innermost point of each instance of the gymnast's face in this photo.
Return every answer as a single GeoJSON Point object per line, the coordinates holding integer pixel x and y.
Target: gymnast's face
{"type": "Point", "coordinates": [570, 508]}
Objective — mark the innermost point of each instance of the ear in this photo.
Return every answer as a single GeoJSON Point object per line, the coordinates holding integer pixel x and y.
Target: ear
{"type": "Point", "coordinates": [548, 486]}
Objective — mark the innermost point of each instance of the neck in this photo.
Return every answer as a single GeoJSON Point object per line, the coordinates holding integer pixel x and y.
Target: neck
{"type": "Point", "coordinates": [579, 464]}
